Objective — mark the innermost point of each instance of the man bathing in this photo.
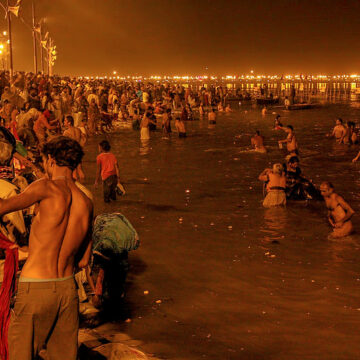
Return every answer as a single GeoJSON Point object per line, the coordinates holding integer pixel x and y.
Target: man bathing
{"type": "Point", "coordinates": [339, 211]}
{"type": "Point", "coordinates": [275, 185]}
{"type": "Point", "coordinates": [339, 131]}
{"type": "Point", "coordinates": [45, 315]}
{"type": "Point", "coordinates": [258, 142]}
{"type": "Point", "coordinates": [290, 141]}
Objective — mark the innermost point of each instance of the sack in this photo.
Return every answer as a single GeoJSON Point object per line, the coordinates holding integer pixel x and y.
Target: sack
{"type": "Point", "coordinates": [112, 234]}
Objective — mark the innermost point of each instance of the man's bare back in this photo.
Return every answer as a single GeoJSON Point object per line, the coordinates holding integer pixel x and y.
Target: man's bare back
{"type": "Point", "coordinates": [74, 133]}
{"type": "Point", "coordinates": [58, 230]}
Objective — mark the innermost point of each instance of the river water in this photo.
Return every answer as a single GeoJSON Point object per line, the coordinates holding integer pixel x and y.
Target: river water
{"type": "Point", "coordinates": [235, 280]}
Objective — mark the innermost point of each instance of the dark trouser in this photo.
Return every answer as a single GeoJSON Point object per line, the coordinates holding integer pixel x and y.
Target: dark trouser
{"type": "Point", "coordinates": [109, 187]}
{"type": "Point", "coordinates": [45, 316]}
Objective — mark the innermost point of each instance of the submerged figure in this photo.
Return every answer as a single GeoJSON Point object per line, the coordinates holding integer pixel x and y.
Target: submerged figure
{"type": "Point", "coordinates": [276, 182]}
{"type": "Point", "coordinates": [339, 211]}
{"type": "Point", "coordinates": [258, 142]}
{"type": "Point", "coordinates": [277, 124]}
{"type": "Point", "coordinates": [297, 186]}
{"type": "Point", "coordinates": [212, 116]}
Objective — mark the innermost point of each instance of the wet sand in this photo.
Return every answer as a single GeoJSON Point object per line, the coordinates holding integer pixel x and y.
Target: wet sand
{"type": "Point", "coordinates": [235, 280]}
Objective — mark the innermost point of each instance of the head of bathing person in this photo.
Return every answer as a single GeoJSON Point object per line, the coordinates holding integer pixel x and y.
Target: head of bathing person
{"type": "Point", "coordinates": [339, 121]}
{"type": "Point", "coordinates": [277, 168]}
{"type": "Point", "coordinates": [62, 152]}
{"type": "Point", "coordinates": [326, 188]}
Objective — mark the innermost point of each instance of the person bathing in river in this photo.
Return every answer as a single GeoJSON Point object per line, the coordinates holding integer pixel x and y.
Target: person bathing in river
{"type": "Point", "coordinates": [276, 182]}
{"type": "Point", "coordinates": [228, 109]}
{"type": "Point", "coordinates": [297, 186]}
{"type": "Point", "coordinates": [339, 131]}
{"type": "Point", "coordinates": [277, 124]}
{"type": "Point", "coordinates": [258, 142]}
{"type": "Point", "coordinates": [212, 117]}
{"type": "Point", "coordinates": [339, 211]}
{"type": "Point", "coordinates": [291, 143]}
{"type": "Point", "coordinates": [180, 127]}
{"type": "Point", "coordinates": [350, 136]}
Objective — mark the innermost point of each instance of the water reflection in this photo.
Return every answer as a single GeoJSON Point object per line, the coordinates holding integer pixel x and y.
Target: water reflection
{"type": "Point", "coordinates": [144, 147]}
{"type": "Point", "coordinates": [275, 221]}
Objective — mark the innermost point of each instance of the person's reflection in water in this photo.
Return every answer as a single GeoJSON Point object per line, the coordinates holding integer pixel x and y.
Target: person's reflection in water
{"type": "Point", "coordinates": [144, 147]}
{"type": "Point", "coordinates": [275, 221]}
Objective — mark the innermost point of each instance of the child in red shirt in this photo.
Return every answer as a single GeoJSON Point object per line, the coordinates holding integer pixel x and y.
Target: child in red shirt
{"type": "Point", "coordinates": [108, 169]}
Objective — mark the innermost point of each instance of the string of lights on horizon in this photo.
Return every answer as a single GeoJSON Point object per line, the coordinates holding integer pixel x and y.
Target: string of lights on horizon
{"type": "Point", "coordinates": [253, 77]}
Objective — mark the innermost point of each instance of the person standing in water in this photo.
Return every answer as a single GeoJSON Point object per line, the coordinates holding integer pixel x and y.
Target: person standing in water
{"type": "Point", "coordinates": [166, 125]}
{"type": "Point", "coordinates": [144, 126]}
{"type": "Point", "coordinates": [46, 311]}
{"type": "Point", "coordinates": [108, 171]}
{"type": "Point", "coordinates": [339, 211]}
{"type": "Point", "coordinates": [212, 117]}
{"type": "Point", "coordinates": [180, 127]}
{"type": "Point", "coordinates": [339, 131]}
{"type": "Point", "coordinates": [275, 185]}
{"type": "Point", "coordinates": [291, 143]}
{"type": "Point", "coordinates": [258, 142]}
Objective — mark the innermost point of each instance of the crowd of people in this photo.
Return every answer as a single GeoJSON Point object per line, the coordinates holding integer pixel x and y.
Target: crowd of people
{"type": "Point", "coordinates": [45, 123]}
{"type": "Point", "coordinates": [47, 213]}
{"type": "Point", "coordinates": [285, 181]}
{"type": "Point", "coordinates": [34, 106]}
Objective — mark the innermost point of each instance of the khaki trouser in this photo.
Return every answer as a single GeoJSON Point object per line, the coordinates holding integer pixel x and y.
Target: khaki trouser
{"type": "Point", "coordinates": [45, 316]}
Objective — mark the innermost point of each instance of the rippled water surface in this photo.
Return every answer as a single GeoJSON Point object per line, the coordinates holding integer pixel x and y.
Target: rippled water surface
{"type": "Point", "coordinates": [238, 281]}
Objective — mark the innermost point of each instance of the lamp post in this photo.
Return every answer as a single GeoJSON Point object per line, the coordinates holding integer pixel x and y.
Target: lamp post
{"type": "Point", "coordinates": [8, 13]}
{"type": "Point", "coordinates": [34, 38]}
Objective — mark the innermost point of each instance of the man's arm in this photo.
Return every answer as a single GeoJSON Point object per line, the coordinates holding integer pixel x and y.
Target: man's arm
{"type": "Point", "coordinates": [117, 172]}
{"type": "Point", "coordinates": [35, 192]}
{"type": "Point", "coordinates": [84, 261]}
{"type": "Point", "coordinates": [264, 176]}
{"type": "Point", "coordinates": [349, 211]}
{"type": "Point", "coordinates": [356, 157]}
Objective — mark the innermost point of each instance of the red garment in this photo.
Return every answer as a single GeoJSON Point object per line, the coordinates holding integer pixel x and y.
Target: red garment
{"type": "Point", "coordinates": [107, 162]}
{"type": "Point", "coordinates": [6, 292]}
{"type": "Point", "coordinates": [99, 283]}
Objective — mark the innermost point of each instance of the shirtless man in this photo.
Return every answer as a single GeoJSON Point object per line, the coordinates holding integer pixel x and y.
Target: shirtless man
{"type": "Point", "coordinates": [76, 134]}
{"type": "Point", "coordinates": [339, 131]}
{"type": "Point", "coordinates": [212, 116]}
{"type": "Point", "coordinates": [228, 109]}
{"type": "Point", "coordinates": [45, 315]}
{"type": "Point", "coordinates": [258, 142]}
{"type": "Point", "coordinates": [71, 131]}
{"type": "Point", "coordinates": [339, 211]}
{"type": "Point", "coordinates": [275, 185]}
{"type": "Point", "coordinates": [291, 143]}
{"type": "Point", "coordinates": [180, 127]}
